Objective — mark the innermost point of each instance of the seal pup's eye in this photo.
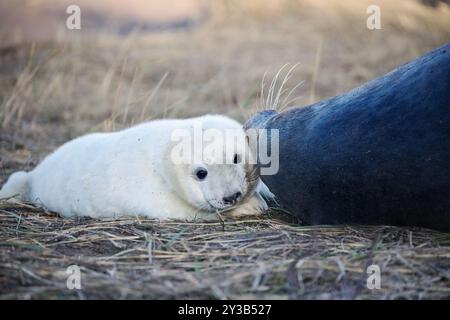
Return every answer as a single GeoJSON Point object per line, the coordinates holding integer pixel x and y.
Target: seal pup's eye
{"type": "Point", "coordinates": [201, 173]}
{"type": "Point", "coordinates": [237, 159]}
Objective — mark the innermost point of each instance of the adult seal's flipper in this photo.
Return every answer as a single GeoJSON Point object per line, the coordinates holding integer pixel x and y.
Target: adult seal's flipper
{"type": "Point", "coordinates": [379, 154]}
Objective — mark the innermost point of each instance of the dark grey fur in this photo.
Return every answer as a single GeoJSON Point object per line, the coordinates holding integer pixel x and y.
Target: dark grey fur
{"type": "Point", "coordinates": [379, 154]}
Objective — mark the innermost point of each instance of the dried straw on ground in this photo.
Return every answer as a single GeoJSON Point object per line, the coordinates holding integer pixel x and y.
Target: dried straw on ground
{"type": "Point", "coordinates": [260, 257]}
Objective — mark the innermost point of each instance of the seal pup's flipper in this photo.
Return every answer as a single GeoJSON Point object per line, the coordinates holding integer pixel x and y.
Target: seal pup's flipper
{"type": "Point", "coordinates": [16, 186]}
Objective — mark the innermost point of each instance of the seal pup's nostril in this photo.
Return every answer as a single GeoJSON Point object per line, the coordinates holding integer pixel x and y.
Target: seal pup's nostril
{"type": "Point", "coordinates": [232, 199]}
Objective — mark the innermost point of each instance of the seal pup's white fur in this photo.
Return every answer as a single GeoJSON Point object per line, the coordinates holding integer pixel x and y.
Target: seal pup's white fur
{"type": "Point", "coordinates": [129, 173]}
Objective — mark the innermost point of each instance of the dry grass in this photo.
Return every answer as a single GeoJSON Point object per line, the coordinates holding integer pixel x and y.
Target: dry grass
{"type": "Point", "coordinates": [81, 82]}
{"type": "Point", "coordinates": [257, 258]}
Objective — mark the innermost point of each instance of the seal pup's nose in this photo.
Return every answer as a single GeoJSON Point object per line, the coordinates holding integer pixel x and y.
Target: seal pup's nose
{"type": "Point", "coordinates": [232, 199]}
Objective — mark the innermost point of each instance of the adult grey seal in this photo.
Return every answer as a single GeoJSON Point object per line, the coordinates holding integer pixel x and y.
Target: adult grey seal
{"type": "Point", "coordinates": [379, 154]}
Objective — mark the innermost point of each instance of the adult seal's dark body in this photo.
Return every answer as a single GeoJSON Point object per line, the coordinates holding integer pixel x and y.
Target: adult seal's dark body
{"type": "Point", "coordinates": [379, 154]}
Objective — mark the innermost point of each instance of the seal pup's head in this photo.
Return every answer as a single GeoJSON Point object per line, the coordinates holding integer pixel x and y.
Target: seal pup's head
{"type": "Point", "coordinates": [216, 173]}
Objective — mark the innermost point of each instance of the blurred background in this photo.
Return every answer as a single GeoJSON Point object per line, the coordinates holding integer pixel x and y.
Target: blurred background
{"type": "Point", "coordinates": [136, 60]}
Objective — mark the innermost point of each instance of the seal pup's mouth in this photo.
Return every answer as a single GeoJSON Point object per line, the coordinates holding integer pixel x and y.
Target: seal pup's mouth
{"type": "Point", "coordinates": [251, 180]}
{"type": "Point", "coordinates": [214, 209]}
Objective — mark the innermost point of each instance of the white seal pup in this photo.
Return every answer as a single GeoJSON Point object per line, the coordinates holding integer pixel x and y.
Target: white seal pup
{"type": "Point", "coordinates": [134, 172]}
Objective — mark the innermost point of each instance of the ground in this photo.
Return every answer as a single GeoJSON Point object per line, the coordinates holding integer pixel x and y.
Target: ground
{"type": "Point", "coordinates": [89, 80]}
